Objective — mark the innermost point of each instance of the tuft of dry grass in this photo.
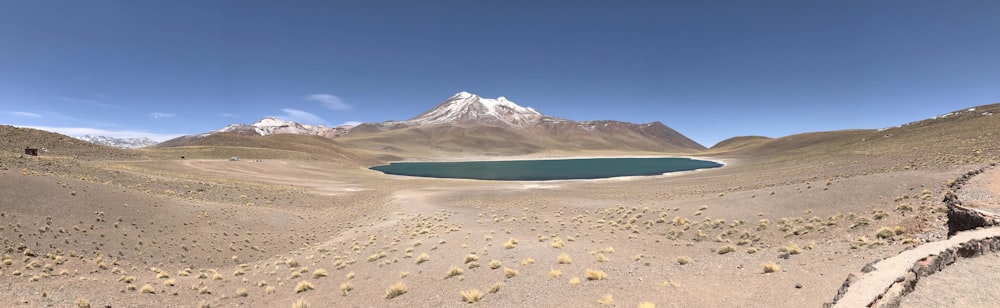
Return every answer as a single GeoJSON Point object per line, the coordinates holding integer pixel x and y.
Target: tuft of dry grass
{"type": "Point", "coordinates": [771, 267]}
{"type": "Point", "coordinates": [241, 292]}
{"type": "Point", "coordinates": [82, 303]}
{"type": "Point", "coordinates": [726, 249]}
{"type": "Point", "coordinates": [564, 259]}
{"type": "Point", "coordinates": [554, 273]}
{"type": "Point", "coordinates": [471, 296]}
{"type": "Point", "coordinates": [471, 258]}
{"type": "Point", "coordinates": [319, 273]}
{"type": "Point", "coordinates": [395, 290]}
{"type": "Point", "coordinates": [301, 303]}
{"type": "Point", "coordinates": [606, 300]}
{"type": "Point", "coordinates": [496, 287]}
{"type": "Point", "coordinates": [495, 264]}
{"type": "Point", "coordinates": [345, 288]}
{"type": "Point", "coordinates": [683, 260]}
{"type": "Point", "coordinates": [422, 258]}
{"type": "Point", "coordinates": [602, 258]}
{"type": "Point", "coordinates": [574, 281]}
{"type": "Point", "coordinates": [147, 288]}
{"type": "Point", "coordinates": [595, 274]}
{"type": "Point", "coordinates": [303, 286]}
{"type": "Point", "coordinates": [453, 271]}
{"type": "Point", "coordinates": [528, 261]}
{"type": "Point", "coordinates": [510, 244]}
{"type": "Point", "coordinates": [647, 305]}
{"type": "Point", "coordinates": [509, 272]}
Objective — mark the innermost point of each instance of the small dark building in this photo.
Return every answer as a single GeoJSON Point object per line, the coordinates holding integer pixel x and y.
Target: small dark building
{"type": "Point", "coordinates": [30, 151]}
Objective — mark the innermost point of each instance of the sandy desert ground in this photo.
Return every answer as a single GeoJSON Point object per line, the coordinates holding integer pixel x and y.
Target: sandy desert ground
{"type": "Point", "coordinates": [184, 233]}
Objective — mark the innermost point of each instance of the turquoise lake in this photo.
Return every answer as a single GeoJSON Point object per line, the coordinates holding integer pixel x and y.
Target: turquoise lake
{"type": "Point", "coordinates": [548, 169]}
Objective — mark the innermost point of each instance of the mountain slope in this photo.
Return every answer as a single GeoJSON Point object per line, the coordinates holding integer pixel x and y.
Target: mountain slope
{"type": "Point", "coordinates": [467, 123]}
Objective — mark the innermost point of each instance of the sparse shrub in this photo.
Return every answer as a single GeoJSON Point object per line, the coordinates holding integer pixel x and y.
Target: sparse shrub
{"type": "Point", "coordinates": [606, 300]}
{"type": "Point", "coordinates": [319, 273]}
{"type": "Point", "coordinates": [509, 272]}
{"type": "Point", "coordinates": [557, 243]}
{"type": "Point", "coordinates": [169, 282]}
{"type": "Point", "coordinates": [346, 288]}
{"type": "Point", "coordinates": [82, 303]}
{"type": "Point", "coordinates": [303, 286]}
{"type": "Point", "coordinates": [602, 258]}
{"type": "Point", "coordinates": [147, 288]}
{"type": "Point", "coordinates": [510, 244]}
{"type": "Point", "coordinates": [791, 249]}
{"type": "Point", "coordinates": [528, 261]}
{"type": "Point", "coordinates": [241, 292]}
{"type": "Point", "coordinates": [771, 267]}
{"type": "Point", "coordinates": [682, 260]}
{"type": "Point", "coordinates": [471, 258]}
{"type": "Point", "coordinates": [496, 287]}
{"type": "Point", "coordinates": [595, 275]}
{"type": "Point", "coordinates": [564, 259]}
{"type": "Point", "coordinates": [301, 303]}
{"type": "Point", "coordinates": [574, 281]}
{"type": "Point", "coordinates": [885, 232]}
{"type": "Point", "coordinates": [726, 249]}
{"type": "Point", "coordinates": [554, 273]}
{"type": "Point", "coordinates": [422, 258]}
{"type": "Point", "coordinates": [454, 271]}
{"type": "Point", "coordinates": [472, 296]}
{"type": "Point", "coordinates": [395, 290]}
{"type": "Point", "coordinates": [495, 264]}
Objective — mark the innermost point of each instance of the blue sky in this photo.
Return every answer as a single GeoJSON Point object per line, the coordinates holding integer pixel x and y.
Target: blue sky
{"type": "Point", "coordinates": [709, 69]}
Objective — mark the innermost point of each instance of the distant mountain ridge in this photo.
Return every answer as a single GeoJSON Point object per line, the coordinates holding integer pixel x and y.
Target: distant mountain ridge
{"type": "Point", "coordinates": [468, 122]}
{"type": "Point", "coordinates": [126, 143]}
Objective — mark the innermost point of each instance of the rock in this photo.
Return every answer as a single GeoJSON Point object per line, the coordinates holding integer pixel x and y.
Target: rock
{"type": "Point", "coordinates": [798, 285]}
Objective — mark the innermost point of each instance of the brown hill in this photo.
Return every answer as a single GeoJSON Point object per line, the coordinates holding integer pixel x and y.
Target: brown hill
{"type": "Point", "coordinates": [252, 146]}
{"type": "Point", "coordinates": [16, 139]}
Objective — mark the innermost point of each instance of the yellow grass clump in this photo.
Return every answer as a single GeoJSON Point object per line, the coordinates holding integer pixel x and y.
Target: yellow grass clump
{"type": "Point", "coordinates": [345, 288]}
{"type": "Point", "coordinates": [495, 264]}
{"type": "Point", "coordinates": [606, 300]}
{"type": "Point", "coordinates": [683, 260]}
{"type": "Point", "coordinates": [771, 267]}
{"type": "Point", "coordinates": [301, 303]}
{"type": "Point", "coordinates": [509, 272]}
{"type": "Point", "coordinates": [303, 286]}
{"type": "Point", "coordinates": [454, 271]}
{"type": "Point", "coordinates": [574, 281]}
{"type": "Point", "coordinates": [147, 289]}
{"type": "Point", "coordinates": [319, 273]}
{"type": "Point", "coordinates": [395, 290]}
{"type": "Point", "coordinates": [471, 296]}
{"type": "Point", "coordinates": [564, 259]}
{"type": "Point", "coordinates": [82, 303]}
{"type": "Point", "coordinates": [422, 258]}
{"type": "Point", "coordinates": [647, 305]}
{"type": "Point", "coordinates": [554, 273]}
{"type": "Point", "coordinates": [595, 274]}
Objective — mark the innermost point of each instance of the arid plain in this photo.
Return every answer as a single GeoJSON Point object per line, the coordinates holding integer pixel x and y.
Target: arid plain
{"type": "Point", "coordinates": [302, 220]}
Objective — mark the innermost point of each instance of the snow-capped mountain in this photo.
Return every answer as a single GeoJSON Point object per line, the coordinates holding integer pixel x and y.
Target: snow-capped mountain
{"type": "Point", "coordinates": [466, 121]}
{"type": "Point", "coordinates": [271, 126]}
{"type": "Point", "coordinates": [466, 108]}
{"type": "Point", "coordinates": [128, 143]}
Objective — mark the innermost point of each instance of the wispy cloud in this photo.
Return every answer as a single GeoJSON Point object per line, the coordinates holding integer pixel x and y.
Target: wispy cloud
{"type": "Point", "coordinates": [300, 116]}
{"type": "Point", "coordinates": [229, 115]}
{"type": "Point", "coordinates": [331, 102]}
{"type": "Point", "coordinates": [24, 114]}
{"type": "Point", "coordinates": [80, 131]}
{"type": "Point", "coordinates": [161, 115]}
{"type": "Point", "coordinates": [91, 103]}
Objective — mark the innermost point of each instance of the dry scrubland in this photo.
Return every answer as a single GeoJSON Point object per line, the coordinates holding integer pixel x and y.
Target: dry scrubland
{"type": "Point", "coordinates": [780, 226]}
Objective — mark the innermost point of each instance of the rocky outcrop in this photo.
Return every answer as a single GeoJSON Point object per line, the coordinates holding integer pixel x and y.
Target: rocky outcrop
{"type": "Point", "coordinates": [961, 217]}
{"type": "Point", "coordinates": [884, 283]}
